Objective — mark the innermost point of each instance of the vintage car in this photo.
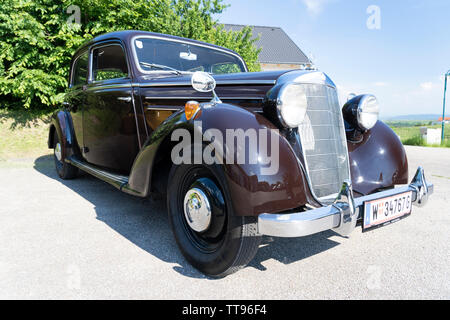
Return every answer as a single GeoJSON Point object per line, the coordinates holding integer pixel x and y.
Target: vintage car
{"type": "Point", "coordinates": [338, 167]}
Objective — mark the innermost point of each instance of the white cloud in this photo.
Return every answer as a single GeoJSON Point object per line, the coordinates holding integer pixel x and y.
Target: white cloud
{"type": "Point", "coordinates": [399, 98]}
{"type": "Point", "coordinates": [427, 86]}
{"type": "Point", "coordinates": [315, 7]}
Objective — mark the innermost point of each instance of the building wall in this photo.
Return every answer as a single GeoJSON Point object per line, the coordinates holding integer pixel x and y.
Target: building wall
{"type": "Point", "coordinates": [280, 66]}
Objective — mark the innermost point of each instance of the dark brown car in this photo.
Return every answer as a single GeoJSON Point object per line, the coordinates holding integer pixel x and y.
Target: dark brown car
{"type": "Point", "coordinates": [293, 162]}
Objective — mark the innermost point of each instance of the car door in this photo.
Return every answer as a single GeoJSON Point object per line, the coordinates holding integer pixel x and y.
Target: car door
{"type": "Point", "coordinates": [75, 98]}
{"type": "Point", "coordinates": [109, 122]}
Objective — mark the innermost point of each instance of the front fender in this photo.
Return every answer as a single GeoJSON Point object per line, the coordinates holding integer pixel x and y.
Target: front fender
{"type": "Point", "coordinates": [251, 191]}
{"type": "Point", "coordinates": [379, 161]}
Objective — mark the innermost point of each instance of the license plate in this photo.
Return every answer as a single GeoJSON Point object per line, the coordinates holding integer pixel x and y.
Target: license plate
{"type": "Point", "coordinates": [378, 213]}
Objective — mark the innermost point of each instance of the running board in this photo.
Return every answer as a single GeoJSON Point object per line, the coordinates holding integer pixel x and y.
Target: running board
{"type": "Point", "coordinates": [115, 180]}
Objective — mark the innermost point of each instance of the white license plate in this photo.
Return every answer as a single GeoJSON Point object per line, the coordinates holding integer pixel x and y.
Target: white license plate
{"type": "Point", "coordinates": [384, 211]}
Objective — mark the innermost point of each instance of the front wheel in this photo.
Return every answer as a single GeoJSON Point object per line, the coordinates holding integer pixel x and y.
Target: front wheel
{"type": "Point", "coordinates": [209, 235]}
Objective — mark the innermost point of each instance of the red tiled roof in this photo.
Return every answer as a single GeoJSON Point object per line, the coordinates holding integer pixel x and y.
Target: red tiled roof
{"type": "Point", "coordinates": [446, 119]}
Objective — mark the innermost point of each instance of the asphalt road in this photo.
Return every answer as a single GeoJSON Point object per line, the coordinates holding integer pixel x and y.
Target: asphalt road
{"type": "Point", "coordinates": [84, 239]}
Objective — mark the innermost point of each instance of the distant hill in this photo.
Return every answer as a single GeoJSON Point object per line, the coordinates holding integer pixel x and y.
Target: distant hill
{"type": "Point", "coordinates": [415, 117]}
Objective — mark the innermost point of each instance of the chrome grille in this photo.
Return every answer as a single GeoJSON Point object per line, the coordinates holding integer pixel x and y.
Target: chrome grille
{"type": "Point", "coordinates": [323, 140]}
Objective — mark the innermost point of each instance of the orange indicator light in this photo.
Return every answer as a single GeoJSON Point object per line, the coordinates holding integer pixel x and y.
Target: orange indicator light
{"type": "Point", "coordinates": [191, 108]}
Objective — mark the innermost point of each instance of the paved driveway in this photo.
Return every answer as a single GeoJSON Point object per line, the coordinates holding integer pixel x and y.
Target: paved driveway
{"type": "Point", "coordinates": [84, 239]}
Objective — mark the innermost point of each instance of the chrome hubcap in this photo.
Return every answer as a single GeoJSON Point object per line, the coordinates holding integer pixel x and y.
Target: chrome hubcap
{"type": "Point", "coordinates": [58, 151]}
{"type": "Point", "coordinates": [197, 210]}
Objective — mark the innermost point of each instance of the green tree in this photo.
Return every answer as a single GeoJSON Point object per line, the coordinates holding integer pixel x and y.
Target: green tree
{"type": "Point", "coordinates": [39, 37]}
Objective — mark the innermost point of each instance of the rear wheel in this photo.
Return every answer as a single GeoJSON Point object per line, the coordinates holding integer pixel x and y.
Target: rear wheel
{"type": "Point", "coordinates": [65, 170]}
{"type": "Point", "coordinates": [209, 235]}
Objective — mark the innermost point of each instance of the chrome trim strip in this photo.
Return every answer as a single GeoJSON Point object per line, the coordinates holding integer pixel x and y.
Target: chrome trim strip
{"type": "Point", "coordinates": [233, 82]}
{"type": "Point", "coordinates": [109, 86]}
{"type": "Point", "coordinates": [202, 98]}
{"type": "Point", "coordinates": [340, 216]}
{"type": "Point", "coordinates": [136, 60]}
{"type": "Point", "coordinates": [174, 84]}
{"type": "Point", "coordinates": [162, 109]}
{"type": "Point", "coordinates": [164, 84]}
{"type": "Point", "coordinates": [188, 83]}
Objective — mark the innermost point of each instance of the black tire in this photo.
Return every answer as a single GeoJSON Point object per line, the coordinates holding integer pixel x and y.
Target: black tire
{"type": "Point", "coordinates": [65, 170]}
{"type": "Point", "coordinates": [230, 242]}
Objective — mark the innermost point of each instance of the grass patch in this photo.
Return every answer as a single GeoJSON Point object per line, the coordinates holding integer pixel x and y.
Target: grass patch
{"type": "Point", "coordinates": [409, 132]}
{"type": "Point", "coordinates": [23, 134]}
{"type": "Point", "coordinates": [414, 141]}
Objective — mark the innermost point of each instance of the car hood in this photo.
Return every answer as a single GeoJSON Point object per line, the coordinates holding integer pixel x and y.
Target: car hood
{"type": "Point", "coordinates": [245, 89]}
{"type": "Point", "coordinates": [268, 76]}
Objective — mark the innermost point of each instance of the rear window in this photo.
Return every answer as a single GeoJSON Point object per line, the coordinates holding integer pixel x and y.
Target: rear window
{"type": "Point", "coordinates": [80, 70]}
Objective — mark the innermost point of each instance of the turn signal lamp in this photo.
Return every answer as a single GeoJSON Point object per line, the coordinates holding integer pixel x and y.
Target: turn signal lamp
{"type": "Point", "coordinates": [191, 108]}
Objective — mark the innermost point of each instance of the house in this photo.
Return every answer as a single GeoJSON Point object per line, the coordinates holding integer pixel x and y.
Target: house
{"type": "Point", "coordinates": [278, 50]}
{"type": "Point", "coordinates": [446, 120]}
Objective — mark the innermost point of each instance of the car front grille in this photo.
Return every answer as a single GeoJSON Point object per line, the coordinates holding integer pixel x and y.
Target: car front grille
{"type": "Point", "coordinates": [323, 140]}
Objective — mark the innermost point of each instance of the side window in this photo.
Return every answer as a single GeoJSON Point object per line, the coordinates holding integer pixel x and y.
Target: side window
{"type": "Point", "coordinates": [80, 70]}
{"type": "Point", "coordinates": [222, 68]}
{"type": "Point", "coordinates": [109, 62]}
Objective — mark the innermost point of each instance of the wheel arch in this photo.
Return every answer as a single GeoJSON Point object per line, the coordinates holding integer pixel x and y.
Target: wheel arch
{"type": "Point", "coordinates": [61, 123]}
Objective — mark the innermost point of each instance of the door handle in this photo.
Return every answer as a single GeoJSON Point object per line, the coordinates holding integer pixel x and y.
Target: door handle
{"type": "Point", "coordinates": [125, 99]}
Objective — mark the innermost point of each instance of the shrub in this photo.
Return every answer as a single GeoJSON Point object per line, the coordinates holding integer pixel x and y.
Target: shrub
{"type": "Point", "coordinates": [39, 38]}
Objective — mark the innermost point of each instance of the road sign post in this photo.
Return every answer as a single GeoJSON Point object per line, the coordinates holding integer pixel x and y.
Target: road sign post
{"type": "Point", "coordinates": [443, 111]}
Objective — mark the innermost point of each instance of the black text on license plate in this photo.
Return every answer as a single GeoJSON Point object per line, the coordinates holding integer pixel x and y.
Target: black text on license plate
{"type": "Point", "coordinates": [380, 212]}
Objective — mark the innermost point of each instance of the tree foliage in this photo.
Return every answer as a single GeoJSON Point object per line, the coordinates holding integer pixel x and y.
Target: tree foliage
{"type": "Point", "coordinates": [39, 37]}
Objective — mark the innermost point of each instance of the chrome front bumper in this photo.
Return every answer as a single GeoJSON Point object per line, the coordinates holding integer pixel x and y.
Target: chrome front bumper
{"type": "Point", "coordinates": [341, 216]}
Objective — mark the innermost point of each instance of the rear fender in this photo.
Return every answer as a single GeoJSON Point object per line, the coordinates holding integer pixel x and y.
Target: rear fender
{"type": "Point", "coordinates": [61, 122]}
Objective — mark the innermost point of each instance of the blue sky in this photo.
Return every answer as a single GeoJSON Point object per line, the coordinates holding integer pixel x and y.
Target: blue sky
{"type": "Point", "coordinates": [402, 63]}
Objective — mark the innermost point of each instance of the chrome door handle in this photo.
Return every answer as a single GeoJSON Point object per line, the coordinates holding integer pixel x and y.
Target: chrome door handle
{"type": "Point", "coordinates": [125, 99]}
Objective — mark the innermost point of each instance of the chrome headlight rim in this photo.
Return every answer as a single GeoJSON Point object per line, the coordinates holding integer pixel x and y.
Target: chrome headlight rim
{"type": "Point", "coordinates": [360, 112]}
{"type": "Point", "coordinates": [281, 103]}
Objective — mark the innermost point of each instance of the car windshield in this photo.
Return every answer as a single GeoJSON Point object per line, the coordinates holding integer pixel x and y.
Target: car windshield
{"type": "Point", "coordinates": [173, 56]}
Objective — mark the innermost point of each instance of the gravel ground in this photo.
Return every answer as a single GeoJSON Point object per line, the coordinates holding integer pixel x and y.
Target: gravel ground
{"type": "Point", "coordinates": [83, 239]}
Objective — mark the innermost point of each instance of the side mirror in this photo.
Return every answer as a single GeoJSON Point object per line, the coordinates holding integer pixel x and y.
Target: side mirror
{"type": "Point", "coordinates": [203, 82]}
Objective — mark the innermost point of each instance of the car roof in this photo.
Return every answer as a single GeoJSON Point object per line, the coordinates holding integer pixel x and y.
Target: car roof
{"type": "Point", "coordinates": [126, 35]}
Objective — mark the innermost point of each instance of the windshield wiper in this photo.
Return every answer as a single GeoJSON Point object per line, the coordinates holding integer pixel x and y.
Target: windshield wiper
{"type": "Point", "coordinates": [160, 66]}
